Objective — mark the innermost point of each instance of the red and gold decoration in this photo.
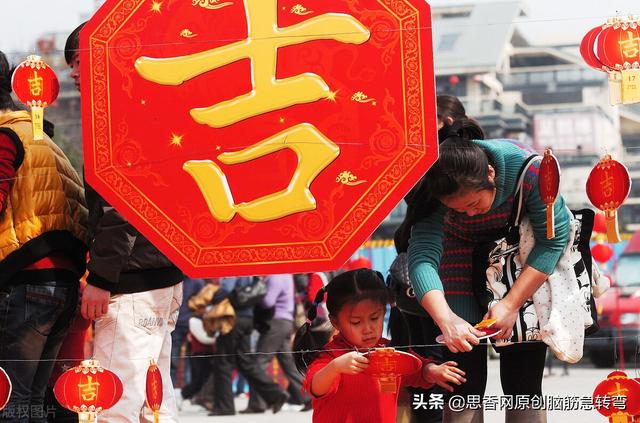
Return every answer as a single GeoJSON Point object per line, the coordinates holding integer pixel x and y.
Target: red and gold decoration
{"type": "Point", "coordinates": [615, 48]}
{"type": "Point", "coordinates": [617, 397]}
{"type": "Point", "coordinates": [35, 84]}
{"type": "Point", "coordinates": [387, 365]}
{"type": "Point", "coordinates": [548, 185]}
{"type": "Point", "coordinates": [5, 388]}
{"type": "Point", "coordinates": [267, 137]}
{"type": "Point", "coordinates": [154, 390]}
{"type": "Point", "coordinates": [88, 389]}
{"type": "Point", "coordinates": [608, 186]}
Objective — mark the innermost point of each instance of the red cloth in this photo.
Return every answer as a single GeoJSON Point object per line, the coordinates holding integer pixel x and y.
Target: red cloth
{"type": "Point", "coordinates": [355, 398]}
{"type": "Point", "coordinates": [8, 154]}
{"type": "Point", "coordinates": [316, 282]}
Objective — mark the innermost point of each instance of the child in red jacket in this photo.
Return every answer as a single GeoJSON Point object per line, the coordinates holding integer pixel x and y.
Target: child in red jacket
{"type": "Point", "coordinates": [341, 392]}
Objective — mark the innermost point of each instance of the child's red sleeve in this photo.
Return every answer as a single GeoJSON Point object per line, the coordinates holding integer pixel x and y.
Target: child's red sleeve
{"type": "Point", "coordinates": [317, 365]}
{"type": "Point", "coordinates": [415, 379]}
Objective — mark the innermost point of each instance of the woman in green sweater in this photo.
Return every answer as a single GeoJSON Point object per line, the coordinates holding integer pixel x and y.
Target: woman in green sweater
{"type": "Point", "coordinates": [475, 183]}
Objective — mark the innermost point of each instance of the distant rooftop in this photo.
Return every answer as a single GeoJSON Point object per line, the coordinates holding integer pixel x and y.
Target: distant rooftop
{"type": "Point", "coordinates": [473, 37]}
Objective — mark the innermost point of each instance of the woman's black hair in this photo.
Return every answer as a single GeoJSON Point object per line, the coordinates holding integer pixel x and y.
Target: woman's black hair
{"type": "Point", "coordinates": [73, 44]}
{"type": "Point", "coordinates": [462, 165]}
{"type": "Point", "coordinates": [6, 71]}
{"type": "Point", "coordinates": [349, 287]}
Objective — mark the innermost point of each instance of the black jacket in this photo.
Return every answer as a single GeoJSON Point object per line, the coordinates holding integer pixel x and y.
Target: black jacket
{"type": "Point", "coordinates": [121, 259]}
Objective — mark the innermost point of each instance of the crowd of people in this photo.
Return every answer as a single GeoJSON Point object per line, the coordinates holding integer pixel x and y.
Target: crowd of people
{"type": "Point", "coordinates": [136, 305]}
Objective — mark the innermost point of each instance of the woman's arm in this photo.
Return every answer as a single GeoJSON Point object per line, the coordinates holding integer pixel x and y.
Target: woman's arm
{"type": "Point", "coordinates": [506, 311]}
{"type": "Point", "coordinates": [425, 250]}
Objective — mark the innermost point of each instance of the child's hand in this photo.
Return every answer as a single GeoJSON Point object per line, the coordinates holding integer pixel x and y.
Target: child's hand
{"type": "Point", "coordinates": [443, 374]}
{"type": "Point", "coordinates": [351, 363]}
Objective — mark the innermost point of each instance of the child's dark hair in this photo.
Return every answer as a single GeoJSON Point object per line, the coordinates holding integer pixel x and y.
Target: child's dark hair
{"type": "Point", "coordinates": [73, 44]}
{"type": "Point", "coordinates": [462, 165]}
{"type": "Point", "coordinates": [346, 288]}
{"type": "Point", "coordinates": [6, 71]}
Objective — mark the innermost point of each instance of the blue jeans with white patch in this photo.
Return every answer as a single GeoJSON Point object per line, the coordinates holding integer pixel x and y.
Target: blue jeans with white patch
{"type": "Point", "coordinates": [34, 319]}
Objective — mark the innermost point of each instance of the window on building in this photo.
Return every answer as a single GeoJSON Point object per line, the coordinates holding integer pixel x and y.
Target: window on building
{"type": "Point", "coordinates": [447, 41]}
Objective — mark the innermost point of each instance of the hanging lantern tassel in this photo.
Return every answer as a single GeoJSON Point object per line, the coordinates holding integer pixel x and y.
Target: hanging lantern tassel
{"type": "Point", "coordinates": [36, 85]}
{"type": "Point", "coordinates": [154, 390]}
{"type": "Point", "coordinates": [608, 185]}
{"type": "Point", "coordinates": [548, 186]}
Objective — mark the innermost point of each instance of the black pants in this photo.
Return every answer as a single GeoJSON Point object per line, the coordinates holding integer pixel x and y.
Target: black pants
{"type": "Point", "coordinates": [236, 343]}
{"type": "Point", "coordinates": [422, 331]}
{"type": "Point", "coordinates": [521, 369]}
{"type": "Point", "coordinates": [200, 371]}
{"type": "Point", "coordinates": [278, 338]}
{"type": "Point", "coordinates": [34, 319]}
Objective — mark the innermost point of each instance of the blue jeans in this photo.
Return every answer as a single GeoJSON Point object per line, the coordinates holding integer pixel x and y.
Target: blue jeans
{"type": "Point", "coordinates": [34, 319]}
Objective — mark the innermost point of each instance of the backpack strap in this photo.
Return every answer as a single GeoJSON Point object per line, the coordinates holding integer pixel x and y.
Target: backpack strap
{"type": "Point", "coordinates": [516, 212]}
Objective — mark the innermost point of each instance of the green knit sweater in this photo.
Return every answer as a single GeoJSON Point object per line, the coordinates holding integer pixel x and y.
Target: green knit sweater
{"type": "Point", "coordinates": [428, 235]}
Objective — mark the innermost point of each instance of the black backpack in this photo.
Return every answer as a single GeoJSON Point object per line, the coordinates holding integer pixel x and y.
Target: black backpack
{"type": "Point", "coordinates": [250, 294]}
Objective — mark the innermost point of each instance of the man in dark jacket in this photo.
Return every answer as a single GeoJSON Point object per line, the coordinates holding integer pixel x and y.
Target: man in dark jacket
{"type": "Point", "coordinates": [133, 294]}
{"type": "Point", "coordinates": [231, 351]}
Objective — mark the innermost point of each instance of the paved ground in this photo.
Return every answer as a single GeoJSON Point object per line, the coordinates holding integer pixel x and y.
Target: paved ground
{"type": "Point", "coordinates": [581, 381]}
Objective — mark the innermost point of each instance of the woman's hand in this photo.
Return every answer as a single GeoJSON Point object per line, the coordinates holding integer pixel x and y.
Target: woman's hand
{"type": "Point", "coordinates": [505, 314]}
{"type": "Point", "coordinates": [458, 334]}
{"type": "Point", "coordinates": [351, 363]}
{"type": "Point", "coordinates": [443, 374]}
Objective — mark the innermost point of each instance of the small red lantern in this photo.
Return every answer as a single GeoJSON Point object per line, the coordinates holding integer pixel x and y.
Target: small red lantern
{"type": "Point", "coordinates": [548, 185]}
{"type": "Point", "coordinates": [154, 390]}
{"type": "Point", "coordinates": [600, 224]}
{"type": "Point", "coordinates": [387, 365]}
{"type": "Point", "coordinates": [602, 253]}
{"type": "Point", "coordinates": [618, 45]}
{"type": "Point", "coordinates": [5, 388]}
{"type": "Point", "coordinates": [609, 392]}
{"type": "Point", "coordinates": [608, 186]}
{"type": "Point", "coordinates": [36, 85]}
{"type": "Point", "coordinates": [88, 389]}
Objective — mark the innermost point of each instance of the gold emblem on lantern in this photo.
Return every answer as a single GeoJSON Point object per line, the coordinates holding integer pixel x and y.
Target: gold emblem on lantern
{"type": "Point", "coordinates": [347, 178]}
{"type": "Point", "coordinates": [88, 390]}
{"type": "Point", "coordinates": [299, 9]}
{"type": "Point", "coordinates": [361, 97]}
{"type": "Point", "coordinates": [186, 33]}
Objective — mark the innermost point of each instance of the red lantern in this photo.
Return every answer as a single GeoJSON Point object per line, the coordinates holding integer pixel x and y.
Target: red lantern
{"type": "Point", "coordinates": [602, 252]}
{"type": "Point", "coordinates": [618, 45]}
{"type": "Point", "coordinates": [5, 388]}
{"type": "Point", "coordinates": [587, 49]}
{"type": "Point", "coordinates": [154, 390]}
{"type": "Point", "coordinates": [608, 393]}
{"type": "Point", "coordinates": [549, 184]}
{"type": "Point", "coordinates": [608, 186]}
{"type": "Point", "coordinates": [88, 389]}
{"type": "Point", "coordinates": [387, 365]}
{"type": "Point", "coordinates": [600, 224]}
{"type": "Point", "coordinates": [36, 85]}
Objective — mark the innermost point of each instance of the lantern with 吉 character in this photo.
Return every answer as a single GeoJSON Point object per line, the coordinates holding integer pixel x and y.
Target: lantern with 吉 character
{"type": "Point", "coordinates": [35, 83]}
{"type": "Point", "coordinates": [608, 186]}
{"type": "Point", "coordinates": [88, 389]}
{"type": "Point", "coordinates": [617, 397]}
{"type": "Point", "coordinates": [618, 48]}
{"type": "Point", "coordinates": [387, 365]}
{"type": "Point", "coordinates": [588, 53]}
{"type": "Point", "coordinates": [548, 184]}
{"type": "Point", "coordinates": [154, 390]}
{"type": "Point", "coordinates": [5, 388]}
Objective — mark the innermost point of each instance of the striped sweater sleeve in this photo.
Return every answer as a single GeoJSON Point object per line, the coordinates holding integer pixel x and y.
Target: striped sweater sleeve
{"type": "Point", "coordinates": [546, 252]}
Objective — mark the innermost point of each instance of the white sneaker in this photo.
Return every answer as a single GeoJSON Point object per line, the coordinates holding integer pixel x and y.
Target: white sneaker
{"type": "Point", "coordinates": [177, 393]}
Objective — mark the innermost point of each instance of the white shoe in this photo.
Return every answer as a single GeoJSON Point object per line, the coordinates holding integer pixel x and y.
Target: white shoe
{"type": "Point", "coordinates": [177, 393]}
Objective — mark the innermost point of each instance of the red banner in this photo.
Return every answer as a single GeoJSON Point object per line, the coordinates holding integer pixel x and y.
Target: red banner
{"type": "Point", "coordinates": [257, 136]}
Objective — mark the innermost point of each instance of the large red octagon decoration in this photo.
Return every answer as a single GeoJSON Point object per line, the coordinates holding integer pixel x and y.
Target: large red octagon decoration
{"type": "Point", "coordinates": [257, 136]}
